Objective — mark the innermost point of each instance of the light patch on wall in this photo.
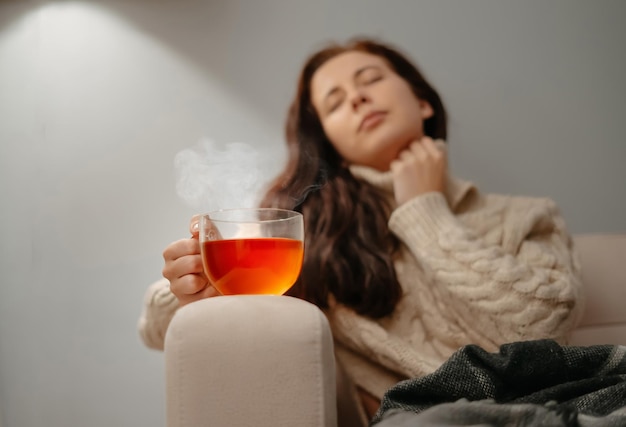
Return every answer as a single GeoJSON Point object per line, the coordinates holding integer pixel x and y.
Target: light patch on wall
{"type": "Point", "coordinates": [68, 16]}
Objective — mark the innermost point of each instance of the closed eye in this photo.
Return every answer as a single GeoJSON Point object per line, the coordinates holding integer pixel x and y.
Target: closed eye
{"type": "Point", "coordinates": [334, 106]}
{"type": "Point", "coordinates": [369, 75]}
{"type": "Point", "coordinates": [335, 102]}
{"type": "Point", "coordinates": [374, 79]}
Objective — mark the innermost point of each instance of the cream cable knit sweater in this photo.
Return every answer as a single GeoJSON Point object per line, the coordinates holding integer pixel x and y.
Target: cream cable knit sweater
{"type": "Point", "coordinates": [481, 269]}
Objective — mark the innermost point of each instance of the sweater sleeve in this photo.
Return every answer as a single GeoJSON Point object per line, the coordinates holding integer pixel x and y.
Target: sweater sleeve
{"type": "Point", "coordinates": [527, 287]}
{"type": "Point", "coordinates": [160, 305]}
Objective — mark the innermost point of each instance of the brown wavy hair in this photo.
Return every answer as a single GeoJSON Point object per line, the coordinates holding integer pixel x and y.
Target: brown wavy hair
{"type": "Point", "coordinates": [349, 248]}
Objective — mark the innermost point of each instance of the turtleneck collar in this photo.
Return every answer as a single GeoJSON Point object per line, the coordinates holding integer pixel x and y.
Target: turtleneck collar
{"type": "Point", "coordinates": [456, 189]}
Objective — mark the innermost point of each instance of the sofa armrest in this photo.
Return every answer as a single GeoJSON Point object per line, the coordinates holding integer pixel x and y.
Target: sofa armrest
{"type": "Point", "coordinates": [603, 262]}
{"type": "Point", "coordinates": [250, 361]}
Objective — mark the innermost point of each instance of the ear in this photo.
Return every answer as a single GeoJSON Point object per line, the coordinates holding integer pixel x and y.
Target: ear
{"type": "Point", "coordinates": [426, 109]}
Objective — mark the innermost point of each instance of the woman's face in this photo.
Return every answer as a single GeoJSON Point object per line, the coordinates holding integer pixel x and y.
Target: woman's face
{"type": "Point", "coordinates": [368, 112]}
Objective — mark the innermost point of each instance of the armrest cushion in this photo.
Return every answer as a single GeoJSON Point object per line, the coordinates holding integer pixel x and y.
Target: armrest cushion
{"type": "Point", "coordinates": [603, 262]}
{"type": "Point", "coordinates": [250, 361]}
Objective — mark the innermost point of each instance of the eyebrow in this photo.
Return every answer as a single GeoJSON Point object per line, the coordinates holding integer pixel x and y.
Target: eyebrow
{"type": "Point", "coordinates": [356, 75]}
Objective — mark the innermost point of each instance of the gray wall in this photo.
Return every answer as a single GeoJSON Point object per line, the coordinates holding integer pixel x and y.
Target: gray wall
{"type": "Point", "coordinates": [96, 99]}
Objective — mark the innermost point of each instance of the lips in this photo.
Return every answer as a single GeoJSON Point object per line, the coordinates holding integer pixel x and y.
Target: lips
{"type": "Point", "coordinates": [371, 120]}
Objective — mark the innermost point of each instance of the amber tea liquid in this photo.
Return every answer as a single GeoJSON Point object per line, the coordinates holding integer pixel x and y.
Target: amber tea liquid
{"type": "Point", "coordinates": [253, 266]}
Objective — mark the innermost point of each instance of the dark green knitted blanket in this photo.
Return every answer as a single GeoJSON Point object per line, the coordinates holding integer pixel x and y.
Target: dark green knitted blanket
{"type": "Point", "coordinates": [531, 383]}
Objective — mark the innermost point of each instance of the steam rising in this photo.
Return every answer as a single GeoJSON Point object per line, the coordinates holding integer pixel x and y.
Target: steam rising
{"type": "Point", "coordinates": [211, 177]}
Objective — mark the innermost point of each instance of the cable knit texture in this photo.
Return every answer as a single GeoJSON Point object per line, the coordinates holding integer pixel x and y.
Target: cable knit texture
{"type": "Point", "coordinates": [474, 269]}
{"type": "Point", "coordinates": [160, 305]}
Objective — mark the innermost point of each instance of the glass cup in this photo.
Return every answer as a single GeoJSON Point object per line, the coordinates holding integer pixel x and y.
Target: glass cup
{"type": "Point", "coordinates": [252, 251]}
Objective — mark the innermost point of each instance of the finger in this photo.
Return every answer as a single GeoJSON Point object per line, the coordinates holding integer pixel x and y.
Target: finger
{"type": "Point", "coordinates": [210, 231]}
{"type": "Point", "coordinates": [419, 151]}
{"type": "Point", "coordinates": [207, 292]}
{"type": "Point", "coordinates": [194, 225]}
{"type": "Point", "coordinates": [210, 291]}
{"type": "Point", "coordinates": [441, 145]}
{"type": "Point", "coordinates": [432, 149]}
{"type": "Point", "coordinates": [181, 248]}
{"type": "Point", "coordinates": [189, 284]}
{"type": "Point", "coordinates": [414, 145]}
{"type": "Point", "coordinates": [191, 264]}
{"type": "Point", "coordinates": [406, 155]}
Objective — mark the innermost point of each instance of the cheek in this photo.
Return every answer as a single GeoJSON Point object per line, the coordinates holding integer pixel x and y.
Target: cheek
{"type": "Point", "coordinates": [409, 111]}
{"type": "Point", "coordinates": [409, 102]}
{"type": "Point", "coordinates": [337, 131]}
{"type": "Point", "coordinates": [398, 93]}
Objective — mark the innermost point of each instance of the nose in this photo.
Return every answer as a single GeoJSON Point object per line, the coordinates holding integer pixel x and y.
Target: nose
{"type": "Point", "coordinates": [358, 98]}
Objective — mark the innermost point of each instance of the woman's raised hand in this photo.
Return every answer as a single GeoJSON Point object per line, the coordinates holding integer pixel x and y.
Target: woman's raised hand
{"type": "Point", "coordinates": [183, 268]}
{"type": "Point", "coordinates": [421, 168]}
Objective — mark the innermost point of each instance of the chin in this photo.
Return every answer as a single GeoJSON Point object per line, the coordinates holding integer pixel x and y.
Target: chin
{"type": "Point", "coordinates": [399, 137]}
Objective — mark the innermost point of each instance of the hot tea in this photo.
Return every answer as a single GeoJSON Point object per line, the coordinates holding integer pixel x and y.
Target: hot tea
{"type": "Point", "coordinates": [252, 265]}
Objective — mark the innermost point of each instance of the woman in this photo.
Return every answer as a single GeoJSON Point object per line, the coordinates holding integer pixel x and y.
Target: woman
{"type": "Point", "coordinates": [407, 262]}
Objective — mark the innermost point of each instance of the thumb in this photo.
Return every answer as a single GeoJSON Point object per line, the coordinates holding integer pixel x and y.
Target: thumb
{"type": "Point", "coordinates": [194, 226]}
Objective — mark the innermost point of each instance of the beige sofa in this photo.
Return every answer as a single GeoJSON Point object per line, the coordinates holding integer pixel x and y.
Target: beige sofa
{"type": "Point", "coordinates": [268, 361]}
